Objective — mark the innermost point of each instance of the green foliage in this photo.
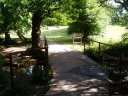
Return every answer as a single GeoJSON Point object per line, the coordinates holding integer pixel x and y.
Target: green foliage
{"type": "Point", "coordinates": [75, 27]}
{"type": "Point", "coordinates": [59, 36]}
{"type": "Point", "coordinates": [91, 53]}
{"type": "Point", "coordinates": [39, 74]}
{"type": "Point", "coordinates": [1, 47]}
{"type": "Point", "coordinates": [2, 61]}
{"type": "Point", "coordinates": [57, 18]}
{"type": "Point", "coordinates": [116, 3]}
{"type": "Point", "coordinates": [4, 81]}
{"type": "Point", "coordinates": [119, 9]}
{"type": "Point", "coordinates": [19, 18]}
{"type": "Point", "coordinates": [88, 17]}
{"type": "Point", "coordinates": [120, 19]}
{"type": "Point", "coordinates": [125, 38]}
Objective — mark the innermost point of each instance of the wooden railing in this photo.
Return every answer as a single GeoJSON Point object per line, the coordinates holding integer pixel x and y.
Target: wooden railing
{"type": "Point", "coordinates": [118, 62]}
{"type": "Point", "coordinates": [44, 46]}
{"type": "Point", "coordinates": [14, 57]}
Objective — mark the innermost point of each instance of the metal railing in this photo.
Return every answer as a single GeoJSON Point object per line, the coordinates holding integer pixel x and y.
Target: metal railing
{"type": "Point", "coordinates": [117, 59]}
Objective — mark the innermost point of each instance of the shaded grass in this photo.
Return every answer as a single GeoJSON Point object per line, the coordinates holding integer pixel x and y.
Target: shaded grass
{"type": "Point", "coordinates": [60, 36]}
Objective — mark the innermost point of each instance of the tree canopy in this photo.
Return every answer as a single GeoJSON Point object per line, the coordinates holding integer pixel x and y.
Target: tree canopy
{"type": "Point", "coordinates": [21, 11]}
{"type": "Point", "coordinates": [13, 17]}
{"type": "Point", "coordinates": [120, 11]}
{"type": "Point", "coordinates": [123, 4]}
{"type": "Point", "coordinates": [88, 17]}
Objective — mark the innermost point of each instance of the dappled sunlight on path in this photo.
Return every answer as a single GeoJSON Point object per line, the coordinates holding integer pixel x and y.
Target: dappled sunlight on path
{"type": "Point", "coordinates": [75, 74]}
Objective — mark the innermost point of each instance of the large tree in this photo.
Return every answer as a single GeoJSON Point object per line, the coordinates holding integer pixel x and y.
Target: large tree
{"type": "Point", "coordinates": [17, 10]}
{"type": "Point", "coordinates": [88, 17]}
{"type": "Point", "coordinates": [5, 21]}
{"type": "Point", "coordinates": [41, 9]}
{"type": "Point", "coordinates": [13, 17]}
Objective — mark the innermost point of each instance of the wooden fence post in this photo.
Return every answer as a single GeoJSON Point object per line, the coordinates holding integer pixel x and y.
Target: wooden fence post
{"type": "Point", "coordinates": [11, 70]}
{"type": "Point", "coordinates": [84, 45]}
{"type": "Point", "coordinates": [120, 63]}
{"type": "Point", "coordinates": [46, 49]}
{"type": "Point", "coordinates": [99, 51]}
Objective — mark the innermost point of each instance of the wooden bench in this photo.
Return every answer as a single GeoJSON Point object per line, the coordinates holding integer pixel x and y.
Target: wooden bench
{"type": "Point", "coordinates": [77, 38]}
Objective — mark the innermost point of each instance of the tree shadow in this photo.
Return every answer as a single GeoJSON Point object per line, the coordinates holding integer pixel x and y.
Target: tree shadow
{"type": "Point", "coordinates": [76, 75]}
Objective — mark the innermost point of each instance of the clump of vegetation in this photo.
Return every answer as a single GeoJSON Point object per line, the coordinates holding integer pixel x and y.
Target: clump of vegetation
{"type": "Point", "coordinates": [4, 76]}
{"type": "Point", "coordinates": [88, 18]}
{"type": "Point", "coordinates": [125, 38]}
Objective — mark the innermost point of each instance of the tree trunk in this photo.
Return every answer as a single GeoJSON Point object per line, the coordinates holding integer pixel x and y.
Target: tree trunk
{"type": "Point", "coordinates": [36, 22]}
{"type": "Point", "coordinates": [21, 37]}
{"type": "Point", "coordinates": [8, 39]}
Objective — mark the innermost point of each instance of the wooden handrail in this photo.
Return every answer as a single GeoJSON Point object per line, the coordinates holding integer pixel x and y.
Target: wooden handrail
{"type": "Point", "coordinates": [121, 47]}
{"type": "Point", "coordinates": [10, 56]}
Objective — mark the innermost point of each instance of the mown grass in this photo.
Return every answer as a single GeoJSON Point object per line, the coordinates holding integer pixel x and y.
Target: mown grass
{"type": "Point", "coordinates": [111, 35]}
{"type": "Point", "coordinates": [59, 36]}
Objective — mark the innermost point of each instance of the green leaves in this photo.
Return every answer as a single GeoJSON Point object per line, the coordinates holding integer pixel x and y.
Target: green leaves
{"type": "Point", "coordinates": [14, 14]}
{"type": "Point", "coordinates": [88, 17]}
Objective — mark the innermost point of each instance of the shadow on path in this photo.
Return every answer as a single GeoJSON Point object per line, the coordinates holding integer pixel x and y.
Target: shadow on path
{"type": "Point", "coordinates": [75, 74]}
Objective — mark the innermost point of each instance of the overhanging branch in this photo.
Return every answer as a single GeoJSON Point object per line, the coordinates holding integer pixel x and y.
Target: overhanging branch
{"type": "Point", "coordinates": [124, 3]}
{"type": "Point", "coordinates": [49, 12]}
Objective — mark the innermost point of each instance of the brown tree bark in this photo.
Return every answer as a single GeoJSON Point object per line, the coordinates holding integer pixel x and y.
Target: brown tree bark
{"type": "Point", "coordinates": [21, 37]}
{"type": "Point", "coordinates": [36, 22]}
{"type": "Point", "coordinates": [8, 39]}
{"type": "Point", "coordinates": [37, 18]}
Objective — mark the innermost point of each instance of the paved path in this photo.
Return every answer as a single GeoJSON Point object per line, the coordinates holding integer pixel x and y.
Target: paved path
{"type": "Point", "coordinates": [75, 74]}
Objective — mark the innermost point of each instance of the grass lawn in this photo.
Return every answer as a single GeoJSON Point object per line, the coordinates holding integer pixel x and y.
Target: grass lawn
{"type": "Point", "coordinates": [60, 36]}
{"type": "Point", "coordinates": [112, 34]}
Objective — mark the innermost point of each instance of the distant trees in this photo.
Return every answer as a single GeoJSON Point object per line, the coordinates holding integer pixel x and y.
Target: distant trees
{"type": "Point", "coordinates": [88, 17]}
{"type": "Point", "coordinates": [120, 14]}
{"type": "Point", "coordinates": [120, 10]}
{"type": "Point", "coordinates": [123, 4]}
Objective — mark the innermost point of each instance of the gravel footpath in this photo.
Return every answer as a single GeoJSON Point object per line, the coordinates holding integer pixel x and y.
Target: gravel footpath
{"type": "Point", "coordinates": [75, 74]}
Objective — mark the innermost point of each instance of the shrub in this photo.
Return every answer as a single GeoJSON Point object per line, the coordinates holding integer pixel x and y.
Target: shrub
{"type": "Point", "coordinates": [3, 74]}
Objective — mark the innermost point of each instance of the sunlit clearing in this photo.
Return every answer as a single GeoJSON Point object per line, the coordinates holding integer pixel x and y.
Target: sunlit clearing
{"type": "Point", "coordinates": [111, 34]}
{"type": "Point", "coordinates": [54, 36]}
{"type": "Point", "coordinates": [14, 49]}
